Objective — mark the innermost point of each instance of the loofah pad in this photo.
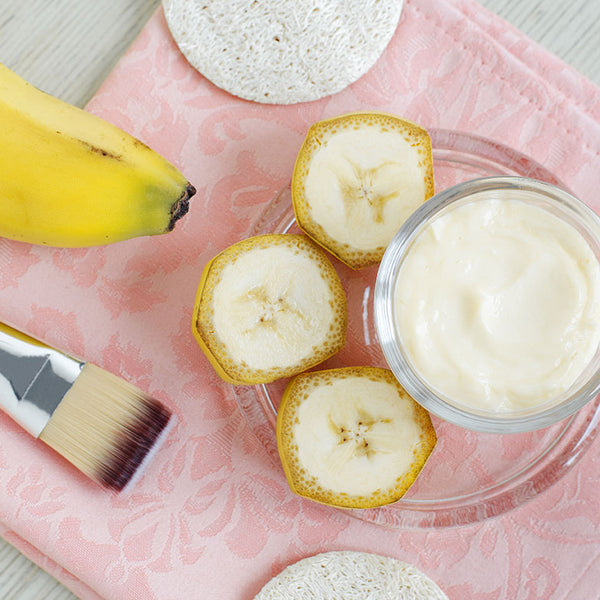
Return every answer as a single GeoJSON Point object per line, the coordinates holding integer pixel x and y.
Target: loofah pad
{"type": "Point", "coordinates": [349, 575]}
{"type": "Point", "coordinates": [282, 51]}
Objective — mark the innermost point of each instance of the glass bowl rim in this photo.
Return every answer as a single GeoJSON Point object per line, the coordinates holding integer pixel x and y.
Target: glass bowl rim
{"type": "Point", "coordinates": [513, 422]}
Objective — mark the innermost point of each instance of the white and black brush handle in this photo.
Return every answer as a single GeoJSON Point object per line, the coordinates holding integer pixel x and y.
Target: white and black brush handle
{"type": "Point", "coordinates": [33, 379]}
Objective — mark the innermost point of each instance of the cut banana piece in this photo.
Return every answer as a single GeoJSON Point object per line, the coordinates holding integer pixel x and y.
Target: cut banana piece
{"type": "Point", "coordinates": [352, 437]}
{"type": "Point", "coordinates": [269, 307]}
{"type": "Point", "coordinates": [356, 180]}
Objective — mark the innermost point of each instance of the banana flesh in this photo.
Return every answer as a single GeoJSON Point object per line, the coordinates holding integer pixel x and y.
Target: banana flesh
{"type": "Point", "coordinates": [357, 179]}
{"type": "Point", "coordinates": [352, 437]}
{"type": "Point", "coordinates": [71, 179]}
{"type": "Point", "coordinates": [269, 307]}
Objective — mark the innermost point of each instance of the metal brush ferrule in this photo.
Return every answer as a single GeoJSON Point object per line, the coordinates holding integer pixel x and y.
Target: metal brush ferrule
{"type": "Point", "coordinates": [33, 380]}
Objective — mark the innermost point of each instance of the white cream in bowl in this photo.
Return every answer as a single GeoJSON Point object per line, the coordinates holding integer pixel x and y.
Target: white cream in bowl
{"type": "Point", "coordinates": [497, 304]}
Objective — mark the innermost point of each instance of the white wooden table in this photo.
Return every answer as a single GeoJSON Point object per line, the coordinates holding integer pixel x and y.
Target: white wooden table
{"type": "Point", "coordinates": [67, 47]}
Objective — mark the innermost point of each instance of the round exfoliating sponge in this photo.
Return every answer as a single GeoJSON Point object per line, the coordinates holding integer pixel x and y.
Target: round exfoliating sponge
{"type": "Point", "coordinates": [282, 51]}
{"type": "Point", "coordinates": [350, 576]}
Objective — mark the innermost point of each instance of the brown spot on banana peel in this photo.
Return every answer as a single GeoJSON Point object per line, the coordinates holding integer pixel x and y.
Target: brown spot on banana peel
{"type": "Point", "coordinates": [181, 207]}
{"type": "Point", "coordinates": [99, 150]}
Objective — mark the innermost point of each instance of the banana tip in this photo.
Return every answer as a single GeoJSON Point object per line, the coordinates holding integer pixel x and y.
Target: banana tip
{"type": "Point", "coordinates": [181, 207]}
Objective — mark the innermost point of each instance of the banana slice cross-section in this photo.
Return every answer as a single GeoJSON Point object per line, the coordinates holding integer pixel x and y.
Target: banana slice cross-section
{"type": "Point", "coordinates": [352, 437]}
{"type": "Point", "coordinates": [269, 307]}
{"type": "Point", "coordinates": [357, 178]}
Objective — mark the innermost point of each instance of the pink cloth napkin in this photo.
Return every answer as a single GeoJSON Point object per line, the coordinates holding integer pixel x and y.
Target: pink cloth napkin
{"type": "Point", "coordinates": [212, 517]}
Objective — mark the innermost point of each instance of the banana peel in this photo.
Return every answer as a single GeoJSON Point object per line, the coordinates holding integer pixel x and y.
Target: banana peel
{"type": "Point", "coordinates": [71, 179]}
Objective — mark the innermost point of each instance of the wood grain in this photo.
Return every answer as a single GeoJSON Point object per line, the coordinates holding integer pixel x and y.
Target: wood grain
{"type": "Point", "coordinates": [67, 47]}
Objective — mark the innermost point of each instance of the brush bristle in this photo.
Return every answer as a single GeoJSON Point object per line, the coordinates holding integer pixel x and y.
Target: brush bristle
{"type": "Point", "coordinates": [106, 427]}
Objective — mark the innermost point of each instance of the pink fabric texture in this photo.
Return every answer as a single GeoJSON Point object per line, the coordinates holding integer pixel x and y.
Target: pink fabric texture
{"type": "Point", "coordinates": [212, 516]}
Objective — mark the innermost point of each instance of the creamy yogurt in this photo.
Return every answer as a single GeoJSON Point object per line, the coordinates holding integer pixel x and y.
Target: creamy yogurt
{"type": "Point", "coordinates": [497, 304]}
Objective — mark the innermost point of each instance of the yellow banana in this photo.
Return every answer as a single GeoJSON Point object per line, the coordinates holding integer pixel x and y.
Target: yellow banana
{"type": "Point", "coordinates": [71, 179]}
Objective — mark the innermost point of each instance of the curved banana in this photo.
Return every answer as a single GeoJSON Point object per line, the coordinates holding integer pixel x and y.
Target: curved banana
{"type": "Point", "coordinates": [71, 179]}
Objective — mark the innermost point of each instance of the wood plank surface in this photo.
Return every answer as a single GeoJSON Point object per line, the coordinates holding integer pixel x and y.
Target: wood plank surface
{"type": "Point", "coordinates": [67, 47]}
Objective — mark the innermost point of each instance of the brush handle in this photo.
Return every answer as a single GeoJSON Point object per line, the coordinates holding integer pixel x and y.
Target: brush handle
{"type": "Point", "coordinates": [33, 379]}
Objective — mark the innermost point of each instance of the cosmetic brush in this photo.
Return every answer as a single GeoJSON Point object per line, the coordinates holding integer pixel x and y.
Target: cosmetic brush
{"type": "Point", "coordinates": [102, 424]}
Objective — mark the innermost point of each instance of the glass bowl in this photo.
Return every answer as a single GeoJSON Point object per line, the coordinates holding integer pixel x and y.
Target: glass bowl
{"type": "Point", "coordinates": [534, 415]}
{"type": "Point", "coordinates": [470, 476]}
